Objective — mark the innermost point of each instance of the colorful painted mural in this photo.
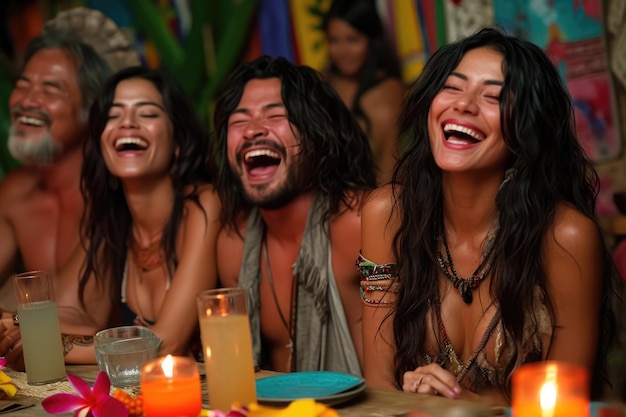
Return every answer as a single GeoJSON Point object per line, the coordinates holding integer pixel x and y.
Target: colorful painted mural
{"type": "Point", "coordinates": [571, 33]}
{"type": "Point", "coordinates": [200, 41]}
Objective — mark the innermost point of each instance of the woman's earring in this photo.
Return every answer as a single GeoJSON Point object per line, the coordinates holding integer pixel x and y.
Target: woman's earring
{"type": "Point", "coordinates": [508, 176]}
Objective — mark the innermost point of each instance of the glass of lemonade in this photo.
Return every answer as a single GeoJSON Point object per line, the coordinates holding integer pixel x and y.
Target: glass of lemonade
{"type": "Point", "coordinates": [227, 347]}
{"type": "Point", "coordinates": [39, 328]}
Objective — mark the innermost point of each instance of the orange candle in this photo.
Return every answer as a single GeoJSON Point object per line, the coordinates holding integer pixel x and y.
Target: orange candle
{"type": "Point", "coordinates": [550, 389]}
{"type": "Point", "coordinates": [171, 388]}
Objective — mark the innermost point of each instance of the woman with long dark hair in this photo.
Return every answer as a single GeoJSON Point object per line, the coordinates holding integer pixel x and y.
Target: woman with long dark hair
{"type": "Point", "coordinates": [152, 215]}
{"type": "Point", "coordinates": [366, 74]}
{"type": "Point", "coordinates": [484, 252]}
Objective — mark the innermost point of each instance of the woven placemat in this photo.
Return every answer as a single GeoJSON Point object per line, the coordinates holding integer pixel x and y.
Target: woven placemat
{"type": "Point", "coordinates": [42, 391]}
{"type": "Point", "coordinates": [37, 391]}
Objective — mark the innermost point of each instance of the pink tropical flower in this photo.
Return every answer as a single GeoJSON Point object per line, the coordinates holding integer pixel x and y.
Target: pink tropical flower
{"type": "Point", "coordinates": [236, 411]}
{"type": "Point", "coordinates": [88, 403]}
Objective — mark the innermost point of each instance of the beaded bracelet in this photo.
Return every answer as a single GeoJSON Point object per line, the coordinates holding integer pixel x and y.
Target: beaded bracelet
{"type": "Point", "coordinates": [376, 277]}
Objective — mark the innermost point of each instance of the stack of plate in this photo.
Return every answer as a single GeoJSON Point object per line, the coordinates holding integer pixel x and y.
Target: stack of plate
{"type": "Point", "coordinates": [330, 388]}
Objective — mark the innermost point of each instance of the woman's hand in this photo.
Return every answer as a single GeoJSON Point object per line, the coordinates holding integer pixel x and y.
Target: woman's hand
{"type": "Point", "coordinates": [11, 343]}
{"type": "Point", "coordinates": [431, 379]}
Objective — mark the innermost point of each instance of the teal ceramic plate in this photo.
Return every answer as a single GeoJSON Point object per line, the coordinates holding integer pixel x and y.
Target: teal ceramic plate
{"type": "Point", "coordinates": [326, 387]}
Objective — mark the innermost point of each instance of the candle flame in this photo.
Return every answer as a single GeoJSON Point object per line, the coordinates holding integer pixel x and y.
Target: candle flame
{"type": "Point", "coordinates": [549, 392]}
{"type": "Point", "coordinates": [547, 396]}
{"type": "Point", "coordinates": [168, 366]}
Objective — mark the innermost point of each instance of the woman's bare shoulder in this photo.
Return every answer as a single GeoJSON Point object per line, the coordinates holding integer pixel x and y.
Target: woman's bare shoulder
{"type": "Point", "coordinates": [572, 228]}
{"type": "Point", "coordinates": [206, 195]}
{"type": "Point", "coordinates": [390, 91]}
{"type": "Point", "coordinates": [204, 209]}
{"type": "Point", "coordinates": [381, 201]}
{"type": "Point", "coordinates": [573, 245]}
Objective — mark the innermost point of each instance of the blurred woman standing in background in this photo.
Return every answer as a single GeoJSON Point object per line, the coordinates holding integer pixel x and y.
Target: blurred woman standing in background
{"type": "Point", "coordinates": [366, 74]}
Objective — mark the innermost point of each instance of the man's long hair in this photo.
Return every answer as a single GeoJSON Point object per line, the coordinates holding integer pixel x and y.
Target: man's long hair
{"type": "Point", "coordinates": [334, 149]}
{"type": "Point", "coordinates": [538, 128]}
{"type": "Point", "coordinates": [107, 222]}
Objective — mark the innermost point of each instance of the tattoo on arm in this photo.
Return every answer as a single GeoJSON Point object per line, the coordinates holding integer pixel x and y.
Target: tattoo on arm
{"type": "Point", "coordinates": [69, 340]}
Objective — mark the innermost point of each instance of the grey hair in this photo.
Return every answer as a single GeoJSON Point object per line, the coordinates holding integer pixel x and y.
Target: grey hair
{"type": "Point", "coordinates": [91, 68]}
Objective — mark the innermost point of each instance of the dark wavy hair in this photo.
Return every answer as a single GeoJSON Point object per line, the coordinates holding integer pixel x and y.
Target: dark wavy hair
{"type": "Point", "coordinates": [335, 149]}
{"type": "Point", "coordinates": [537, 119]}
{"type": "Point", "coordinates": [381, 62]}
{"type": "Point", "coordinates": [92, 70]}
{"type": "Point", "coordinates": [106, 222]}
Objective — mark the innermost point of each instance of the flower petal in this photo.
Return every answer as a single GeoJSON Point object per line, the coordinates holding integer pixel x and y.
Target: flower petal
{"type": "Point", "coordinates": [63, 403]}
{"type": "Point", "coordinates": [109, 407]}
{"type": "Point", "coordinates": [3, 362]}
{"type": "Point", "coordinates": [83, 412]}
{"type": "Point", "coordinates": [102, 386]}
{"type": "Point", "coordinates": [82, 388]}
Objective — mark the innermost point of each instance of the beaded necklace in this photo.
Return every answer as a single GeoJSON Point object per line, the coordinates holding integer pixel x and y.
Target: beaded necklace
{"type": "Point", "coordinates": [465, 285]}
{"type": "Point", "coordinates": [148, 257]}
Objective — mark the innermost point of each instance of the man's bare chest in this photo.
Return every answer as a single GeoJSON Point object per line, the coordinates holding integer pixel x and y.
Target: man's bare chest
{"type": "Point", "coordinates": [47, 231]}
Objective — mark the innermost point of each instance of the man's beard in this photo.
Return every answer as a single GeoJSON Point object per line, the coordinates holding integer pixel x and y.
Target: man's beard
{"type": "Point", "coordinates": [39, 151]}
{"type": "Point", "coordinates": [279, 197]}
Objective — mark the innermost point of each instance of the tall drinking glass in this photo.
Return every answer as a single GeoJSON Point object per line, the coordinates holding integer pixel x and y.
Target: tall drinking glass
{"type": "Point", "coordinates": [39, 328]}
{"type": "Point", "coordinates": [227, 347]}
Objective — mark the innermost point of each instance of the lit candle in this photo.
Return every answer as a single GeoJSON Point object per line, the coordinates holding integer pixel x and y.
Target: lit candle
{"type": "Point", "coordinates": [550, 389]}
{"type": "Point", "coordinates": [171, 387]}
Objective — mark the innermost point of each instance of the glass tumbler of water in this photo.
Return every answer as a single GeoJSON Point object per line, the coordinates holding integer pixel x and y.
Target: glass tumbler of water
{"type": "Point", "coordinates": [39, 327]}
{"type": "Point", "coordinates": [227, 347]}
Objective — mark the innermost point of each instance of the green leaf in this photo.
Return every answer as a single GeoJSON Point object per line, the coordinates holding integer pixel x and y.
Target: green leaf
{"type": "Point", "coordinates": [148, 20]}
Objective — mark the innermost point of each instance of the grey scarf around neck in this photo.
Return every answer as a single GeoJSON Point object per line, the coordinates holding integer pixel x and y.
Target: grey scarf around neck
{"type": "Point", "coordinates": [322, 337]}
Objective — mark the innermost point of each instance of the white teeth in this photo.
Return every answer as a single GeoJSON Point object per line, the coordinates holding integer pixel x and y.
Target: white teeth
{"type": "Point", "coordinates": [451, 127]}
{"type": "Point", "coordinates": [130, 141]}
{"type": "Point", "coordinates": [30, 121]}
{"type": "Point", "coordinates": [261, 152]}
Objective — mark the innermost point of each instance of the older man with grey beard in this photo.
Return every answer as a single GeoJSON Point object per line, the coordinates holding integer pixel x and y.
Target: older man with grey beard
{"type": "Point", "coordinates": [37, 152]}
{"type": "Point", "coordinates": [40, 202]}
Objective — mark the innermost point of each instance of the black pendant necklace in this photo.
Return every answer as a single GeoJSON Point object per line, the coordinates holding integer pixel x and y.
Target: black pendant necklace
{"type": "Point", "coordinates": [465, 285]}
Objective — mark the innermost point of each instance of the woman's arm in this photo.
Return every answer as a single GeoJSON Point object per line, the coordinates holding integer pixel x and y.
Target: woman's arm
{"type": "Point", "coordinates": [382, 106]}
{"type": "Point", "coordinates": [573, 263]}
{"type": "Point", "coordinates": [377, 246]}
{"type": "Point", "coordinates": [79, 324]}
{"type": "Point", "coordinates": [196, 272]}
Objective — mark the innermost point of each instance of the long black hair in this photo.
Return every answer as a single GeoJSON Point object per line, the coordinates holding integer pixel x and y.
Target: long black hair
{"type": "Point", "coordinates": [538, 126]}
{"type": "Point", "coordinates": [335, 149]}
{"type": "Point", "coordinates": [381, 62]}
{"type": "Point", "coordinates": [106, 223]}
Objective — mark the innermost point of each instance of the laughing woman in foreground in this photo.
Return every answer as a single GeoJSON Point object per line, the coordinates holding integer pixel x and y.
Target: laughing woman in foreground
{"type": "Point", "coordinates": [152, 215]}
{"type": "Point", "coordinates": [484, 253]}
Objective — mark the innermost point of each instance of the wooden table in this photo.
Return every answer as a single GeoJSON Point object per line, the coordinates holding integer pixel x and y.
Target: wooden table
{"type": "Point", "coordinates": [372, 403]}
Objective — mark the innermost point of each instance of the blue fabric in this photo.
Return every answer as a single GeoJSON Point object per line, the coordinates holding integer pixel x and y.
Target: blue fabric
{"type": "Point", "coordinates": [275, 29]}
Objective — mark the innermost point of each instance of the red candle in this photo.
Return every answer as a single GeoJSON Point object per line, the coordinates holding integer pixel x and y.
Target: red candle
{"type": "Point", "coordinates": [550, 389]}
{"type": "Point", "coordinates": [171, 388]}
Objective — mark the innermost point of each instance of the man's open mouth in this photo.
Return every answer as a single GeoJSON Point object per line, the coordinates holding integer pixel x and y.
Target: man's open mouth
{"type": "Point", "coordinates": [261, 162]}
